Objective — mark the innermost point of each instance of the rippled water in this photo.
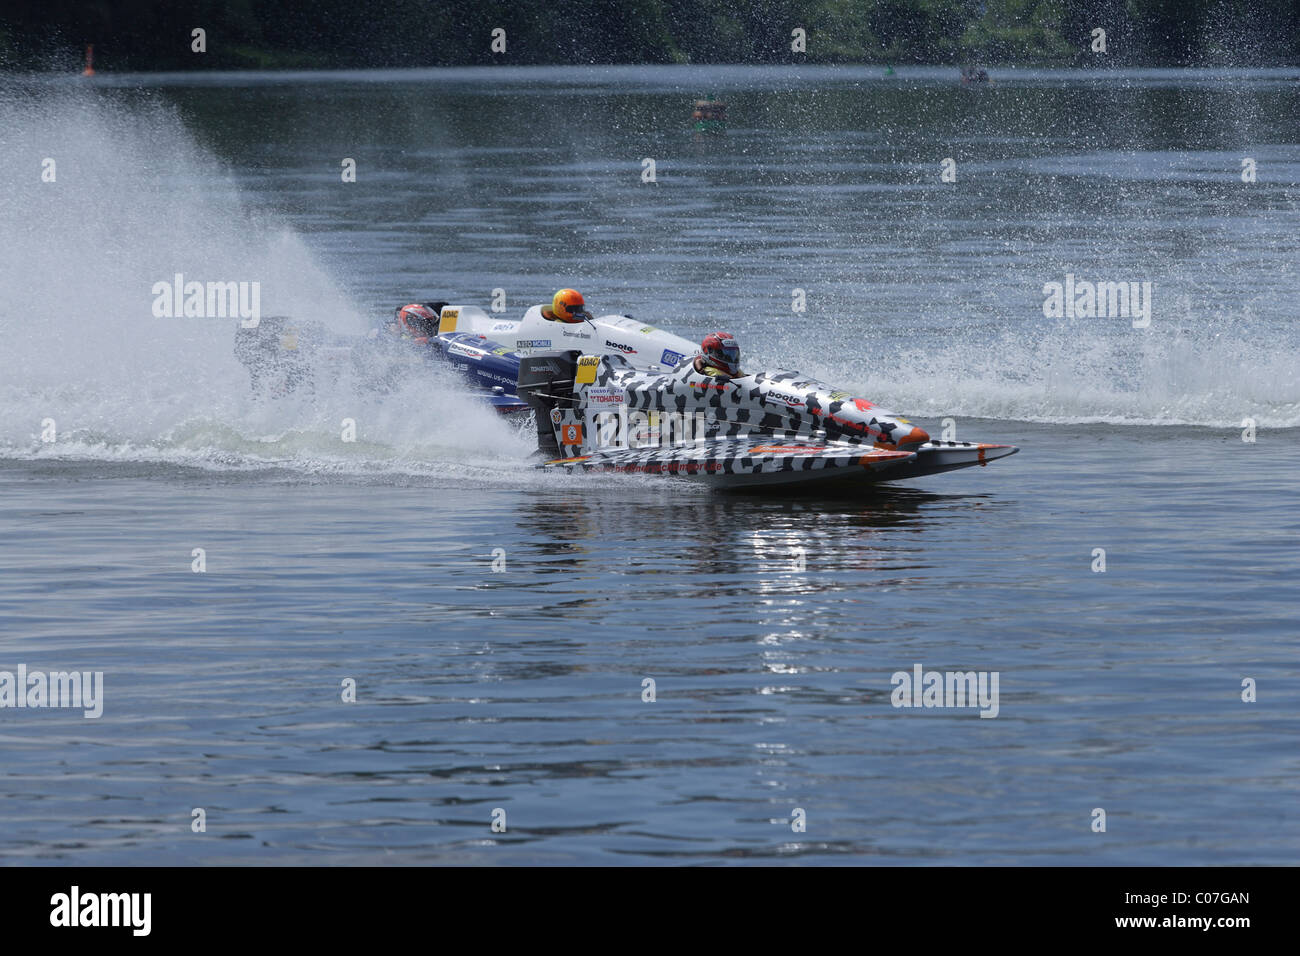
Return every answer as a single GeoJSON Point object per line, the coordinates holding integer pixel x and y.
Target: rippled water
{"type": "Point", "coordinates": [521, 689]}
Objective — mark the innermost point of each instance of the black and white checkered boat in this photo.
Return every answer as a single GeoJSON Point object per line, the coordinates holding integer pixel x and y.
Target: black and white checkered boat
{"type": "Point", "coordinates": [601, 413]}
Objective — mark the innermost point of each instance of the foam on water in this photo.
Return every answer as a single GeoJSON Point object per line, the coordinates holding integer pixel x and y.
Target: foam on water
{"type": "Point", "coordinates": [1167, 376]}
{"type": "Point", "coordinates": [136, 200]}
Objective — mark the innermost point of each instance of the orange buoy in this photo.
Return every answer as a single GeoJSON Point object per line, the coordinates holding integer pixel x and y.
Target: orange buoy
{"type": "Point", "coordinates": [90, 56]}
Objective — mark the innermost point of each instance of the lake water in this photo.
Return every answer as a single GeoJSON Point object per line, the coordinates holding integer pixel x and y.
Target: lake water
{"type": "Point", "coordinates": [770, 626]}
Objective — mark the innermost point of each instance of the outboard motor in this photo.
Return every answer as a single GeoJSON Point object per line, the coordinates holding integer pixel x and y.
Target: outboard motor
{"type": "Point", "coordinates": [546, 384]}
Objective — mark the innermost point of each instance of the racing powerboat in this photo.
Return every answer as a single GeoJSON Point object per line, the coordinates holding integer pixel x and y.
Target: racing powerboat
{"type": "Point", "coordinates": [283, 354]}
{"type": "Point", "coordinates": [614, 394]}
{"type": "Point", "coordinates": [602, 413]}
{"type": "Point", "coordinates": [640, 342]}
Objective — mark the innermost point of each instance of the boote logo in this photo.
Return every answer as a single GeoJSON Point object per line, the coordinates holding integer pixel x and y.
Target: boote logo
{"type": "Point", "coordinates": [784, 398]}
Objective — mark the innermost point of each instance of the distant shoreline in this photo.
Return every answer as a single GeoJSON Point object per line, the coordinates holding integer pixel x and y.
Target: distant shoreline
{"type": "Point", "coordinates": [163, 36]}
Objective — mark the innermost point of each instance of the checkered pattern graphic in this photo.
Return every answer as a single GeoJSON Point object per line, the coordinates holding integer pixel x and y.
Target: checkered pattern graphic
{"type": "Point", "coordinates": [764, 402]}
{"type": "Point", "coordinates": [773, 427]}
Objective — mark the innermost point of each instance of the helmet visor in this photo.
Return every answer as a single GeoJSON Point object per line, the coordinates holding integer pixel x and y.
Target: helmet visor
{"type": "Point", "coordinates": [729, 355]}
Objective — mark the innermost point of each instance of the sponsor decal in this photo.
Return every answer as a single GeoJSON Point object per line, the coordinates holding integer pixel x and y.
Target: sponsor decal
{"type": "Point", "coordinates": [841, 396]}
{"type": "Point", "coordinates": [556, 416]}
{"type": "Point", "coordinates": [784, 398]}
{"type": "Point", "coordinates": [670, 357]}
{"type": "Point", "coordinates": [533, 344]}
{"type": "Point", "coordinates": [863, 405]}
{"type": "Point", "coordinates": [455, 349]}
{"type": "Point", "coordinates": [503, 327]}
{"type": "Point", "coordinates": [648, 330]}
{"type": "Point", "coordinates": [447, 321]}
{"type": "Point", "coordinates": [587, 366]}
{"type": "Point", "coordinates": [576, 335]}
{"type": "Point", "coordinates": [625, 349]}
{"type": "Point", "coordinates": [785, 449]}
{"type": "Point", "coordinates": [605, 396]}
{"type": "Point", "coordinates": [670, 467]}
{"type": "Point", "coordinates": [502, 350]}
{"type": "Point", "coordinates": [571, 434]}
{"type": "Point", "coordinates": [855, 426]}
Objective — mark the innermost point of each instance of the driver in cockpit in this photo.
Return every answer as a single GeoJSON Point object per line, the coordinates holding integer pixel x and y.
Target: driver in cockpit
{"type": "Point", "coordinates": [719, 356]}
{"type": "Point", "coordinates": [567, 306]}
{"type": "Point", "coordinates": [414, 322]}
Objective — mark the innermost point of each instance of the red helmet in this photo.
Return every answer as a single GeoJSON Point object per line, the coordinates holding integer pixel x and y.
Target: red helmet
{"type": "Point", "coordinates": [417, 320]}
{"type": "Point", "coordinates": [722, 351]}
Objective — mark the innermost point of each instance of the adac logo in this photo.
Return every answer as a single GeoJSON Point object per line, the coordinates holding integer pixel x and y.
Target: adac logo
{"type": "Point", "coordinates": [587, 368]}
{"type": "Point", "coordinates": [625, 349]}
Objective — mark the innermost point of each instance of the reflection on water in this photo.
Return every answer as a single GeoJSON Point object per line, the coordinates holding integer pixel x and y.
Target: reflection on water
{"type": "Point", "coordinates": [726, 545]}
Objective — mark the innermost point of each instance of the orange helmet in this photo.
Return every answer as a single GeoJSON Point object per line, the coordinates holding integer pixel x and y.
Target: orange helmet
{"type": "Point", "coordinates": [569, 306]}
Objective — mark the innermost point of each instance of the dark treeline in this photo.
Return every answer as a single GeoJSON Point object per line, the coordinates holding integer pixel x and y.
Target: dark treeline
{"type": "Point", "coordinates": [156, 34]}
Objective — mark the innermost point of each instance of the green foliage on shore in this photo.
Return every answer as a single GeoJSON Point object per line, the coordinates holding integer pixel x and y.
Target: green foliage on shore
{"type": "Point", "coordinates": [268, 34]}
